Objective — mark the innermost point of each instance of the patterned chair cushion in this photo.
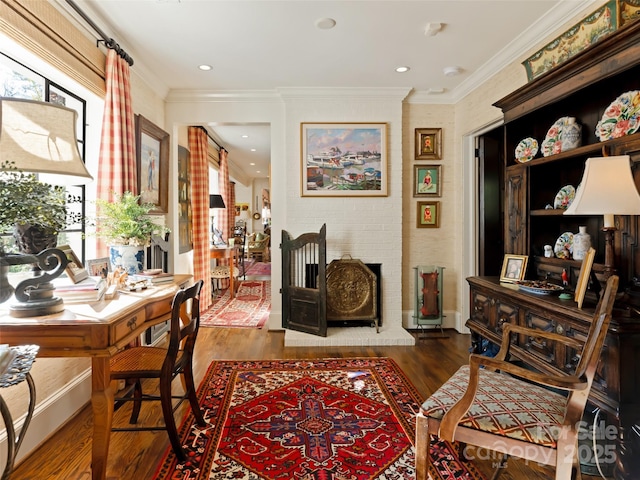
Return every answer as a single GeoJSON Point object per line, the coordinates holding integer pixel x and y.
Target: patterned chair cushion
{"type": "Point", "coordinates": [504, 405]}
{"type": "Point", "coordinates": [222, 271]}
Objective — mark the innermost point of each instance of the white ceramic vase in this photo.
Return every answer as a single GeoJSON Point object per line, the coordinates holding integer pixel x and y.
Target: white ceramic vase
{"type": "Point", "coordinates": [581, 243]}
{"type": "Point", "coordinates": [571, 134]}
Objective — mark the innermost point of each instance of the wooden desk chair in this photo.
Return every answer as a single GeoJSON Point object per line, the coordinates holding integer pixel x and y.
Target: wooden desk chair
{"type": "Point", "coordinates": [492, 408]}
{"type": "Point", "coordinates": [138, 363]}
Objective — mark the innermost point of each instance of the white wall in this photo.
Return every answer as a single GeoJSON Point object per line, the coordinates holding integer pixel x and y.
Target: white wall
{"type": "Point", "coordinates": [368, 228]}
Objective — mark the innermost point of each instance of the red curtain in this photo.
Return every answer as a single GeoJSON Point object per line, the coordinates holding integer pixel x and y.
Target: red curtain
{"type": "Point", "coordinates": [117, 171]}
{"type": "Point", "coordinates": [223, 186]}
{"type": "Point", "coordinates": [198, 145]}
{"type": "Point", "coordinates": [231, 211]}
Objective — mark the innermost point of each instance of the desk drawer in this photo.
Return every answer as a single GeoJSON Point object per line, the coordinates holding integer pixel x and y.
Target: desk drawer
{"type": "Point", "coordinates": [127, 325]}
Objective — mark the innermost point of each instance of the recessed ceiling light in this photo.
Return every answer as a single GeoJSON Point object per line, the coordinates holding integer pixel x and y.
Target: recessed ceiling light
{"type": "Point", "coordinates": [452, 71]}
{"type": "Point", "coordinates": [204, 68]}
{"type": "Point", "coordinates": [245, 136]}
{"type": "Point", "coordinates": [253, 149]}
{"type": "Point", "coordinates": [252, 164]}
{"type": "Point", "coordinates": [325, 23]}
{"type": "Point", "coordinates": [402, 69]}
{"type": "Point", "coordinates": [257, 171]}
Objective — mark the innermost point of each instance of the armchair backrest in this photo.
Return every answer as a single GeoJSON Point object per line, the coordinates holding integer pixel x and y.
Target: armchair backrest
{"type": "Point", "coordinates": [598, 331]}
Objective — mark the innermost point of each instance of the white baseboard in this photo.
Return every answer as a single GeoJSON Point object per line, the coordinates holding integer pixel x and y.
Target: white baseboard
{"type": "Point", "coordinates": [49, 415]}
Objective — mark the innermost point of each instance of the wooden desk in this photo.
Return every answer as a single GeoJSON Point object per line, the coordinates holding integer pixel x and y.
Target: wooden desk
{"type": "Point", "coordinates": [96, 330]}
{"type": "Point", "coordinates": [230, 253]}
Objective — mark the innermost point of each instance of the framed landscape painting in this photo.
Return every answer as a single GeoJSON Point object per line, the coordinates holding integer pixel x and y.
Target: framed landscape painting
{"type": "Point", "coordinates": [343, 159]}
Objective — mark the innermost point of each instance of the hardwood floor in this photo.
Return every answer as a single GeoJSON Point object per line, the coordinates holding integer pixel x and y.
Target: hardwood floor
{"type": "Point", "coordinates": [134, 456]}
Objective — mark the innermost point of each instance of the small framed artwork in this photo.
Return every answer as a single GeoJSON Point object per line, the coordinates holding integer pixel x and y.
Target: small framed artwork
{"type": "Point", "coordinates": [427, 180]}
{"type": "Point", "coordinates": [583, 277]}
{"type": "Point", "coordinates": [514, 268]}
{"type": "Point", "coordinates": [428, 144]}
{"type": "Point", "coordinates": [152, 161]}
{"type": "Point", "coordinates": [343, 159]}
{"type": "Point", "coordinates": [75, 270]}
{"type": "Point", "coordinates": [428, 215]}
{"type": "Point", "coordinates": [98, 267]}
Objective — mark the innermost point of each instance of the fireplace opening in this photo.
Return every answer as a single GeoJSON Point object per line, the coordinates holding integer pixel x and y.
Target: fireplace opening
{"type": "Point", "coordinates": [347, 311]}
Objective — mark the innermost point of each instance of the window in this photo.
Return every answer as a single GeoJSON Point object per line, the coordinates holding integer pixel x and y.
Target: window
{"type": "Point", "coordinates": [18, 81]}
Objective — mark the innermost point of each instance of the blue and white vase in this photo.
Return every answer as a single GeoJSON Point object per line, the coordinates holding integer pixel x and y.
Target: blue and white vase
{"type": "Point", "coordinates": [129, 257]}
{"type": "Point", "coordinates": [581, 243]}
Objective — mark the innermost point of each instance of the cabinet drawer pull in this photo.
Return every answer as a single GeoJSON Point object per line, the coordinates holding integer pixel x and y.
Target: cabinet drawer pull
{"type": "Point", "coordinates": [132, 323]}
{"type": "Point", "coordinates": [559, 329]}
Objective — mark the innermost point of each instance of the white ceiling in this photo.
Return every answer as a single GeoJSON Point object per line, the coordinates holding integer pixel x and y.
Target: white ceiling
{"type": "Point", "coordinates": [263, 45]}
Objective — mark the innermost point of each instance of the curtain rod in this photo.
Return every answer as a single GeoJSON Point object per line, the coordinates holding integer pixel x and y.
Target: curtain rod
{"type": "Point", "coordinates": [108, 41]}
{"type": "Point", "coordinates": [220, 147]}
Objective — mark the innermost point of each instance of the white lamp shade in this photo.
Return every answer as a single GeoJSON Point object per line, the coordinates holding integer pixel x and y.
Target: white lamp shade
{"type": "Point", "coordinates": [607, 188]}
{"type": "Point", "coordinates": [40, 137]}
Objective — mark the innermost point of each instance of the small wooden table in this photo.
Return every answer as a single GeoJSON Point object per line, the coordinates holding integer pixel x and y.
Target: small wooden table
{"type": "Point", "coordinates": [97, 330]}
{"type": "Point", "coordinates": [230, 253]}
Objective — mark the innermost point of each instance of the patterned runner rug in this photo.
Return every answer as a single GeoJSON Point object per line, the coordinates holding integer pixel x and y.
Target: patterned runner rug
{"type": "Point", "coordinates": [250, 308]}
{"type": "Point", "coordinates": [334, 419]}
{"type": "Point", "coordinates": [259, 268]}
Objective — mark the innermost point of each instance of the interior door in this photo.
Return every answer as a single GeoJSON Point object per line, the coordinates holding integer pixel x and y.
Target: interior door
{"type": "Point", "coordinates": [304, 282]}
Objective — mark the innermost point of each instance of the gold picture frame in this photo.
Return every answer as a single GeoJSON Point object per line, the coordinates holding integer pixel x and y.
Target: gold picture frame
{"type": "Point", "coordinates": [514, 268]}
{"type": "Point", "coordinates": [75, 270]}
{"type": "Point", "coordinates": [428, 144]}
{"type": "Point", "coordinates": [428, 215]}
{"type": "Point", "coordinates": [583, 276]}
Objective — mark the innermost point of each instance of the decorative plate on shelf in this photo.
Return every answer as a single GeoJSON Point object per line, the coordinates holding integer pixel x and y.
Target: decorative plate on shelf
{"type": "Point", "coordinates": [621, 117]}
{"type": "Point", "coordinates": [539, 287]}
{"type": "Point", "coordinates": [564, 197]}
{"type": "Point", "coordinates": [563, 135]}
{"type": "Point", "coordinates": [526, 150]}
{"type": "Point", "coordinates": [564, 246]}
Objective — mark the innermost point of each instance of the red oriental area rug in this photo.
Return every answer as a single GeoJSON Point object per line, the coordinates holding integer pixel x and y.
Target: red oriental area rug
{"type": "Point", "coordinates": [259, 269]}
{"type": "Point", "coordinates": [333, 419]}
{"type": "Point", "coordinates": [250, 308]}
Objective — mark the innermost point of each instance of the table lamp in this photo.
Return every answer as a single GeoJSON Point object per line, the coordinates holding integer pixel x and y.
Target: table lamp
{"type": "Point", "coordinates": [607, 188]}
{"type": "Point", "coordinates": [215, 201]}
{"type": "Point", "coordinates": [39, 137]}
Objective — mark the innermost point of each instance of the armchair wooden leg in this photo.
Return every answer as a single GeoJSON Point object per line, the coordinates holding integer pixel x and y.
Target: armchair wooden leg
{"type": "Point", "coordinates": [422, 446]}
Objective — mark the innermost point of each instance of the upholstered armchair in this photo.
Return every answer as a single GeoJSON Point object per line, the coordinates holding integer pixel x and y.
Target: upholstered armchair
{"type": "Point", "coordinates": [258, 246]}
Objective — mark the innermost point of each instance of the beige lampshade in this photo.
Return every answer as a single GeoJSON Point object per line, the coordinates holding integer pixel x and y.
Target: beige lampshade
{"type": "Point", "coordinates": [607, 188]}
{"type": "Point", "coordinates": [40, 137]}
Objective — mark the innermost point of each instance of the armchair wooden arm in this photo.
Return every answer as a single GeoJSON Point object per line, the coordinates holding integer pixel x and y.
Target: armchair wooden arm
{"type": "Point", "coordinates": [509, 328]}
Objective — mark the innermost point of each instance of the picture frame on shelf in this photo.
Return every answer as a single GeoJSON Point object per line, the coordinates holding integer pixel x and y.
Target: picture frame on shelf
{"type": "Point", "coordinates": [427, 180]}
{"type": "Point", "coordinates": [428, 144]}
{"type": "Point", "coordinates": [514, 268]}
{"type": "Point", "coordinates": [428, 215]}
{"type": "Point", "coordinates": [98, 267]}
{"type": "Point", "coordinates": [152, 163]}
{"type": "Point", "coordinates": [343, 159]}
{"type": "Point", "coordinates": [75, 270]}
{"type": "Point", "coordinates": [583, 276]}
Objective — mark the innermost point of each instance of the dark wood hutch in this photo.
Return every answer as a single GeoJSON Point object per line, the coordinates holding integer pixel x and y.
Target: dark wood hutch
{"type": "Point", "coordinates": [583, 88]}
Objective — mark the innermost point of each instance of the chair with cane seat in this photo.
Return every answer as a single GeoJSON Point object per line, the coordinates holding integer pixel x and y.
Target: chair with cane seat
{"type": "Point", "coordinates": [500, 406]}
{"type": "Point", "coordinates": [144, 362]}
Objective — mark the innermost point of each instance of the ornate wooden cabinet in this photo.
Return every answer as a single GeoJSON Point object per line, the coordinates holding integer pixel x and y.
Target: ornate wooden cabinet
{"type": "Point", "coordinates": [582, 87]}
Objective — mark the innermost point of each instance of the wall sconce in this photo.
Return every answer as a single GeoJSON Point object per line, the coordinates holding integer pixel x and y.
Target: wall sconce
{"type": "Point", "coordinates": [607, 188]}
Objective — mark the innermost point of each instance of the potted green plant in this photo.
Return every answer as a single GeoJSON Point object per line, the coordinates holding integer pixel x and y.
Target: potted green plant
{"type": "Point", "coordinates": [126, 227]}
{"type": "Point", "coordinates": [35, 211]}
